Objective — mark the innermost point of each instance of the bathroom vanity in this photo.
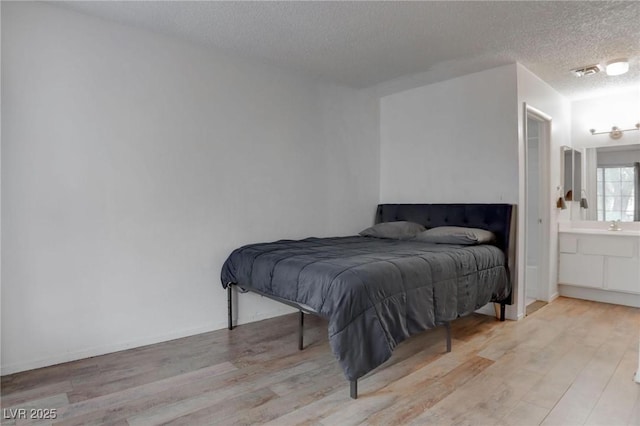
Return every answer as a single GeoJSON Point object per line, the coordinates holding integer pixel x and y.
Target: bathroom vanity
{"type": "Point", "coordinates": [599, 264]}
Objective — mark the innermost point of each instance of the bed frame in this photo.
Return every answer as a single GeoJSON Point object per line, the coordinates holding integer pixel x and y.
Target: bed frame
{"type": "Point", "coordinates": [497, 218]}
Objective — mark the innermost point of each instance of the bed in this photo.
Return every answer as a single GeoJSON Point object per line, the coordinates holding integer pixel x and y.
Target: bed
{"type": "Point", "coordinates": [377, 292]}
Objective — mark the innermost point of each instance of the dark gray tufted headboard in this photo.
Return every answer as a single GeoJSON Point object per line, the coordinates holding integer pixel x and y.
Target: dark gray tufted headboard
{"type": "Point", "coordinates": [493, 217]}
{"type": "Point", "coordinates": [497, 218]}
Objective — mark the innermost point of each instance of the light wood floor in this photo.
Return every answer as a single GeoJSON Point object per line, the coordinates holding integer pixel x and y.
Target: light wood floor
{"type": "Point", "coordinates": [569, 363]}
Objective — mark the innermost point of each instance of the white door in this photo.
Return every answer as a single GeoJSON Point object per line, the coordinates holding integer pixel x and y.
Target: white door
{"type": "Point", "coordinates": [538, 283]}
{"type": "Point", "coordinates": [533, 219]}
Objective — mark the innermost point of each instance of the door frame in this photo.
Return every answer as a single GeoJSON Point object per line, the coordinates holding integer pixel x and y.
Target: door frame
{"type": "Point", "coordinates": [544, 203]}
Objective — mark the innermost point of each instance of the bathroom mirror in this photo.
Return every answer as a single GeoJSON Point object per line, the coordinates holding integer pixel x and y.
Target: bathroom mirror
{"type": "Point", "coordinates": [612, 183]}
{"type": "Point", "coordinates": [571, 174]}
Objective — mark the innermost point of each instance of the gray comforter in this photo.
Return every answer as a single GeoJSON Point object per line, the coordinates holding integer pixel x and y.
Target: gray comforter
{"type": "Point", "coordinates": [374, 292]}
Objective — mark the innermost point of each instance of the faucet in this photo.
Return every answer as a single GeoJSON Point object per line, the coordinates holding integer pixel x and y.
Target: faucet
{"type": "Point", "coordinates": [615, 225]}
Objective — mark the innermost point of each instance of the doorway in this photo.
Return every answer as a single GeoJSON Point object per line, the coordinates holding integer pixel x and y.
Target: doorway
{"type": "Point", "coordinates": [536, 276]}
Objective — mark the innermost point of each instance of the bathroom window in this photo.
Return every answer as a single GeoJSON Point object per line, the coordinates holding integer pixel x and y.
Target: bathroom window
{"type": "Point", "coordinates": [617, 193]}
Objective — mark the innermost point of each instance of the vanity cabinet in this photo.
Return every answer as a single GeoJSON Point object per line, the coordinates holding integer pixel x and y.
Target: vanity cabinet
{"type": "Point", "coordinates": [600, 265]}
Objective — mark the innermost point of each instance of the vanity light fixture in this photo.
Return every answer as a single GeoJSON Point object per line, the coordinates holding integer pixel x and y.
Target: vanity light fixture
{"type": "Point", "coordinates": [615, 132]}
{"type": "Point", "coordinates": [617, 66]}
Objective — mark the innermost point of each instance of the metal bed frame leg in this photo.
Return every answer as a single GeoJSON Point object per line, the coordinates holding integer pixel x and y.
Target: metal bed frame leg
{"type": "Point", "coordinates": [447, 327]}
{"type": "Point", "coordinates": [354, 389]}
{"type": "Point", "coordinates": [301, 332]}
{"type": "Point", "coordinates": [503, 307]}
{"type": "Point", "coordinates": [229, 308]}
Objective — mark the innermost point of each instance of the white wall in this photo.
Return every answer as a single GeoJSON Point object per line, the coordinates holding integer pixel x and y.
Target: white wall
{"type": "Point", "coordinates": [618, 158]}
{"type": "Point", "coordinates": [538, 94]}
{"type": "Point", "coordinates": [133, 163]}
{"type": "Point", "coordinates": [453, 141]}
{"type": "Point", "coordinates": [621, 109]}
{"type": "Point", "coordinates": [461, 140]}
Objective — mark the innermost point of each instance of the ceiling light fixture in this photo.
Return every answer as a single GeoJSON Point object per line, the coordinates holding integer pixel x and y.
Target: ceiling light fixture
{"type": "Point", "coordinates": [617, 66]}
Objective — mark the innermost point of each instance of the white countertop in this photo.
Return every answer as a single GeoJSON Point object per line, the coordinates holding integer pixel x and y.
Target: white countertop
{"type": "Point", "coordinates": [605, 232]}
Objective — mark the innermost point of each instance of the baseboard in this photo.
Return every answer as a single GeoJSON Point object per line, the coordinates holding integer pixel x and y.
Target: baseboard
{"type": "Point", "coordinates": [487, 310]}
{"type": "Point", "coordinates": [553, 297]}
{"type": "Point", "coordinates": [262, 316]}
{"type": "Point", "coordinates": [512, 313]}
{"type": "Point", "coordinates": [490, 310]}
{"type": "Point", "coordinates": [597, 295]}
{"type": "Point", "coordinates": [99, 350]}
{"type": "Point", "coordinates": [107, 349]}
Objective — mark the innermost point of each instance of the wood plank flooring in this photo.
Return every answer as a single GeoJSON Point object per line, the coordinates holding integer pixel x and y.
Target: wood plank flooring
{"type": "Point", "coordinates": [571, 362]}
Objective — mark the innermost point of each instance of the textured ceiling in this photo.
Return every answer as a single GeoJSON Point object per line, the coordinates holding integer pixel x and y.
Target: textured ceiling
{"type": "Point", "coordinates": [361, 44]}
